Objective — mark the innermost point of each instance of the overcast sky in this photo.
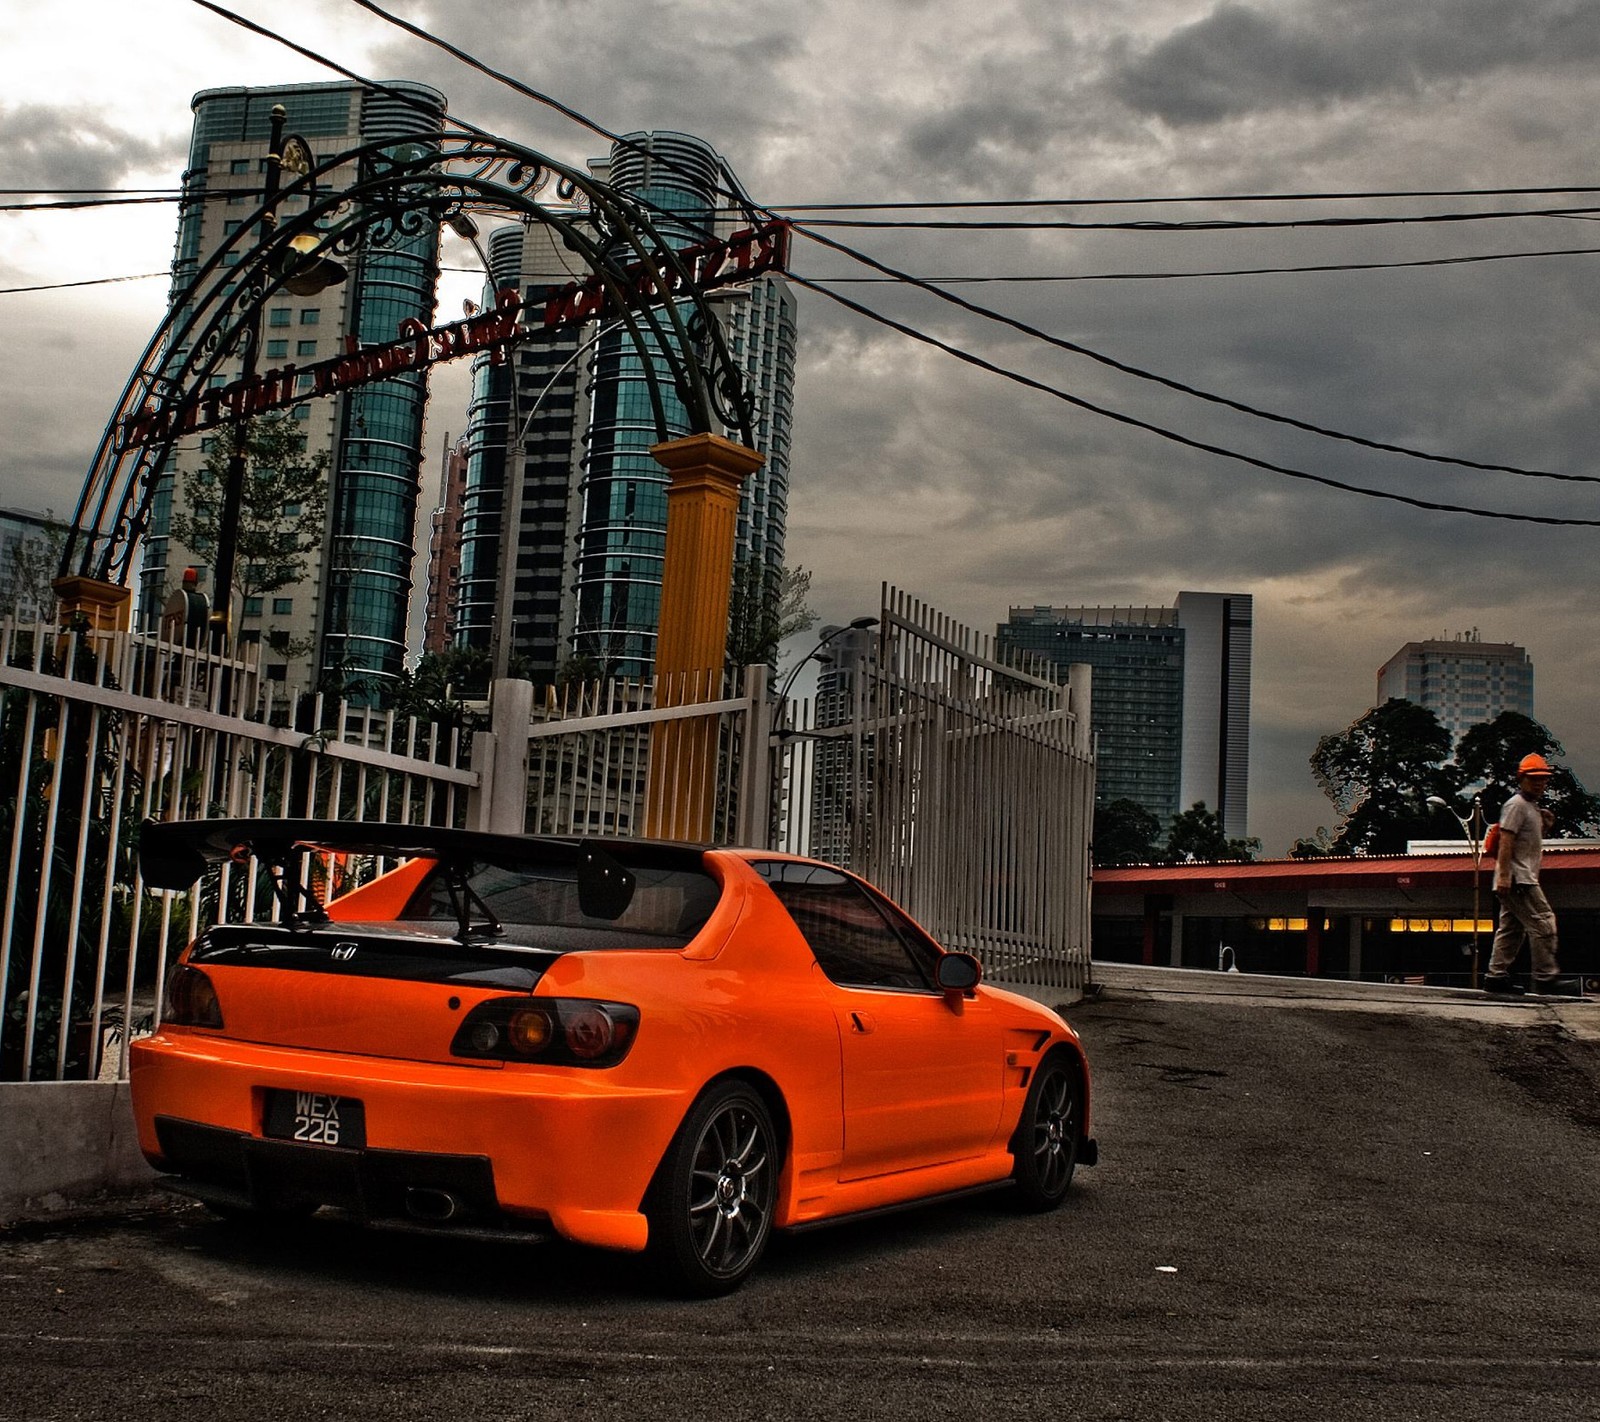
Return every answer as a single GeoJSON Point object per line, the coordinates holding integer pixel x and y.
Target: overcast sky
{"type": "Point", "coordinates": [959, 486]}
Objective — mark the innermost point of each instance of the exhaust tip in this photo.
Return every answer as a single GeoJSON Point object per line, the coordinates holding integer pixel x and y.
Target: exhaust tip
{"type": "Point", "coordinates": [435, 1206]}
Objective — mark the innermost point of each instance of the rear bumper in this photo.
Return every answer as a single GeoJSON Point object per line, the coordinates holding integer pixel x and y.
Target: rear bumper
{"type": "Point", "coordinates": [447, 1147]}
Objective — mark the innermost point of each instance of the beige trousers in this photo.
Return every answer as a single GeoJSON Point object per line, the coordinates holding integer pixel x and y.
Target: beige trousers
{"type": "Point", "coordinates": [1524, 910]}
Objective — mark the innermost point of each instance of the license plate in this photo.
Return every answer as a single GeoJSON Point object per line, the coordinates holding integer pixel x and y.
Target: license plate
{"type": "Point", "coordinates": [316, 1119]}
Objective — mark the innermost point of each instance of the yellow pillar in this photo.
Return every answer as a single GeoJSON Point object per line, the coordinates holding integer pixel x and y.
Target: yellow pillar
{"type": "Point", "coordinates": [104, 606]}
{"type": "Point", "coordinates": [705, 473]}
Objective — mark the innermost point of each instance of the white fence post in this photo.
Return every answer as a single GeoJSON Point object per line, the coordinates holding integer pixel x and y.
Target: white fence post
{"type": "Point", "coordinates": [499, 802]}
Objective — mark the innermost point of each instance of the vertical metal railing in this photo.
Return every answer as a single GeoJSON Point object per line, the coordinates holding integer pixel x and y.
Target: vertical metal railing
{"type": "Point", "coordinates": [101, 731]}
{"type": "Point", "coordinates": [960, 784]}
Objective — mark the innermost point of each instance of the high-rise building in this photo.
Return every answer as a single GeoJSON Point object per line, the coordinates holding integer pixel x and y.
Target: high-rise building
{"type": "Point", "coordinates": [523, 446]}
{"type": "Point", "coordinates": [1136, 691]}
{"type": "Point", "coordinates": [1218, 631]}
{"type": "Point", "coordinates": [1169, 696]}
{"type": "Point", "coordinates": [564, 524]}
{"type": "Point", "coordinates": [849, 660]}
{"type": "Point", "coordinates": [30, 549]}
{"type": "Point", "coordinates": [347, 613]}
{"type": "Point", "coordinates": [1463, 680]}
{"type": "Point", "coordinates": [444, 551]}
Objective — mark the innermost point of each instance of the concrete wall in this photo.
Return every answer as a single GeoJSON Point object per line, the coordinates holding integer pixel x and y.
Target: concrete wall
{"type": "Point", "coordinates": [65, 1145]}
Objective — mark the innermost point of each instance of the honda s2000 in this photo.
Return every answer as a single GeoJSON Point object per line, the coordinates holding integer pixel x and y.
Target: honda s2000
{"type": "Point", "coordinates": [645, 1047]}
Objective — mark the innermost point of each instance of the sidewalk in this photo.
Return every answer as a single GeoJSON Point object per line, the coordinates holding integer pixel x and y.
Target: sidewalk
{"type": "Point", "coordinates": [1580, 1017]}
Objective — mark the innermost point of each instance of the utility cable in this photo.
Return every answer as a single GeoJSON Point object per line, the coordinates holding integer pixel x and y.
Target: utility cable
{"type": "Point", "coordinates": [1217, 224]}
{"type": "Point", "coordinates": [994, 280]}
{"type": "Point", "coordinates": [93, 281]}
{"type": "Point", "coordinates": [1186, 441]}
{"type": "Point", "coordinates": [956, 204]}
{"type": "Point", "coordinates": [989, 314]}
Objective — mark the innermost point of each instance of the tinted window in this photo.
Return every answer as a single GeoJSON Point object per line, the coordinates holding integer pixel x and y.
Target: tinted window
{"type": "Point", "coordinates": [667, 909]}
{"type": "Point", "coordinates": [854, 942]}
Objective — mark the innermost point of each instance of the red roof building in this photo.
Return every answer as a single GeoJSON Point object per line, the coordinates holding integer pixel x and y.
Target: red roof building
{"type": "Point", "coordinates": [1398, 918]}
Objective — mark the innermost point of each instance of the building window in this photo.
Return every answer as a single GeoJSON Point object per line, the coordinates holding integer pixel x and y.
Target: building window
{"type": "Point", "coordinates": [277, 349]}
{"type": "Point", "coordinates": [310, 316]}
{"type": "Point", "coordinates": [279, 316]}
{"type": "Point", "coordinates": [239, 165]}
{"type": "Point", "coordinates": [252, 607]}
{"type": "Point", "coordinates": [282, 606]}
{"type": "Point", "coordinates": [305, 348]}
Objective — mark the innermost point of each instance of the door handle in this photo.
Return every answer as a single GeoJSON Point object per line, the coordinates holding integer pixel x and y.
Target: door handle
{"type": "Point", "coordinates": [862, 1022]}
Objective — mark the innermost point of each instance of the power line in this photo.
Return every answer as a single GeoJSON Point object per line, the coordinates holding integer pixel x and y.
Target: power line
{"type": "Point", "coordinates": [989, 314]}
{"type": "Point", "coordinates": [94, 281]}
{"type": "Point", "coordinates": [1223, 271]}
{"type": "Point", "coordinates": [1203, 225]}
{"type": "Point", "coordinates": [956, 204]}
{"type": "Point", "coordinates": [1189, 443]}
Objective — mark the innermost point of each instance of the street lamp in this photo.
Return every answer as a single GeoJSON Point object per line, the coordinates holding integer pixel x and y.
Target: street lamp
{"type": "Point", "coordinates": [859, 624]}
{"type": "Point", "coordinates": [1472, 826]}
{"type": "Point", "coordinates": [302, 273]}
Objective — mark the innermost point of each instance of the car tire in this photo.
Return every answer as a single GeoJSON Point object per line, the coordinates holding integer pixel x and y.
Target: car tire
{"type": "Point", "coordinates": [1045, 1146]}
{"type": "Point", "coordinates": [710, 1208]}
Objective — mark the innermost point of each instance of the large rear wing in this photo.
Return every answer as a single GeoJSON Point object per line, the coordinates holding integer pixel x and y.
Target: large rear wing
{"type": "Point", "coordinates": [175, 854]}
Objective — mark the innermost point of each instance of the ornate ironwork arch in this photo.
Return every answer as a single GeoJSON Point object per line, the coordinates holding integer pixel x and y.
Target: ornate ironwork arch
{"type": "Point", "coordinates": [403, 190]}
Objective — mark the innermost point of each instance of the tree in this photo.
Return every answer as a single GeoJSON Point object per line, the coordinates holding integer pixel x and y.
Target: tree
{"type": "Point", "coordinates": [766, 606]}
{"type": "Point", "coordinates": [1487, 756]}
{"type": "Point", "coordinates": [1379, 772]}
{"type": "Point", "coordinates": [1318, 846]}
{"type": "Point", "coordinates": [1198, 834]}
{"type": "Point", "coordinates": [281, 511]}
{"type": "Point", "coordinates": [1125, 833]}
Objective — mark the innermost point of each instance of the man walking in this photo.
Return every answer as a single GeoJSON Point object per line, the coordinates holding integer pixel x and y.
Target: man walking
{"type": "Point", "coordinates": [1524, 910]}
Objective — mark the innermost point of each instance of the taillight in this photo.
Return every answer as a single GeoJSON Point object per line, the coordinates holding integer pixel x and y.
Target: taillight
{"type": "Point", "coordinates": [191, 1000]}
{"type": "Point", "coordinates": [554, 1030]}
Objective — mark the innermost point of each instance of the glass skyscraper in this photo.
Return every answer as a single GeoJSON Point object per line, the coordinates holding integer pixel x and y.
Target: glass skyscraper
{"type": "Point", "coordinates": [563, 484]}
{"type": "Point", "coordinates": [1169, 697]}
{"type": "Point", "coordinates": [347, 615]}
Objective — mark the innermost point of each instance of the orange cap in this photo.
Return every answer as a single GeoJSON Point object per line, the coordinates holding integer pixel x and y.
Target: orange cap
{"type": "Point", "coordinates": [1534, 765]}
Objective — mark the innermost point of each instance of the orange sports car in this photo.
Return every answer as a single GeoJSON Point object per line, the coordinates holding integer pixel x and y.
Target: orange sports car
{"type": "Point", "coordinates": [642, 1046]}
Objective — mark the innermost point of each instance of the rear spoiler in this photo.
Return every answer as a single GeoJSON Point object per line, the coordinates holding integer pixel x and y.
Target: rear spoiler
{"type": "Point", "coordinates": [174, 854]}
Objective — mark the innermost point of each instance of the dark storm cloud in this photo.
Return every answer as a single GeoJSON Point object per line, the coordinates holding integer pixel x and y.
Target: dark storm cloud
{"type": "Point", "coordinates": [1240, 59]}
{"type": "Point", "coordinates": [706, 69]}
{"type": "Point", "coordinates": [54, 150]}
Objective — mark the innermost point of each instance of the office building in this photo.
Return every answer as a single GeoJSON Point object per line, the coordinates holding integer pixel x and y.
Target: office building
{"type": "Point", "coordinates": [1169, 697]}
{"type": "Point", "coordinates": [1218, 630]}
{"type": "Point", "coordinates": [1463, 680]}
{"type": "Point", "coordinates": [346, 614]}
{"type": "Point", "coordinates": [30, 551]}
{"type": "Point", "coordinates": [444, 551]}
{"type": "Point", "coordinates": [523, 448]}
{"type": "Point", "coordinates": [564, 520]}
{"type": "Point", "coordinates": [1136, 691]}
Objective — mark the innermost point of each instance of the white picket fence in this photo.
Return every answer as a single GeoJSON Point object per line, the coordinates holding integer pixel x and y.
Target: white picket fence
{"type": "Point", "coordinates": [962, 786]}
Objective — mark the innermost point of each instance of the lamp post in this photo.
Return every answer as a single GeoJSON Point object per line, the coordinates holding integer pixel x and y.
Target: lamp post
{"type": "Point", "coordinates": [303, 274]}
{"type": "Point", "coordinates": [859, 624]}
{"type": "Point", "coordinates": [1472, 826]}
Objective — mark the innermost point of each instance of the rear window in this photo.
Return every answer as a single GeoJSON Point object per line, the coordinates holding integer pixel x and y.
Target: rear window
{"type": "Point", "coordinates": [541, 905]}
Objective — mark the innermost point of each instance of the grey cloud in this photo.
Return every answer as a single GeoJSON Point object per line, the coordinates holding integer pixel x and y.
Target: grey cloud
{"type": "Point", "coordinates": [55, 150]}
{"type": "Point", "coordinates": [1240, 59]}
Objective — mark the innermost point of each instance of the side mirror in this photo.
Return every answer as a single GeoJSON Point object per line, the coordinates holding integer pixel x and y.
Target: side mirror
{"type": "Point", "coordinates": [957, 972]}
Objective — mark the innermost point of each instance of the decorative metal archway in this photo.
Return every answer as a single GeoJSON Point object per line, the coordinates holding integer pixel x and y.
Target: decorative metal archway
{"type": "Point", "coordinates": [641, 278]}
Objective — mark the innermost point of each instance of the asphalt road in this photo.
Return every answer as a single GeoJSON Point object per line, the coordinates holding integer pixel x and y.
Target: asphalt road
{"type": "Point", "coordinates": [1300, 1213]}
